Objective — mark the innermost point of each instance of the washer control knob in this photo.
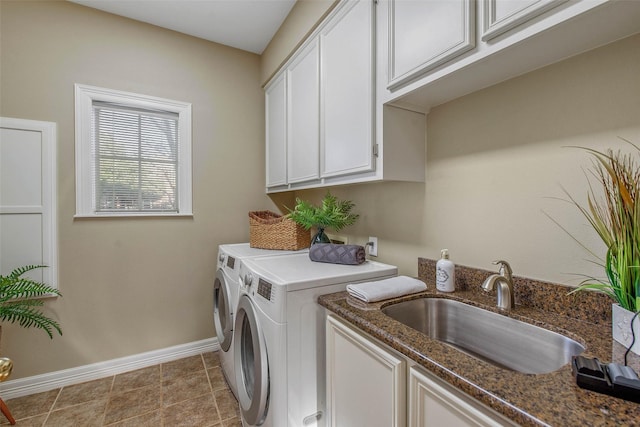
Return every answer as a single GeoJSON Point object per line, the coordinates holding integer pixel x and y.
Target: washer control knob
{"type": "Point", "coordinates": [248, 278]}
{"type": "Point", "coordinates": [221, 257]}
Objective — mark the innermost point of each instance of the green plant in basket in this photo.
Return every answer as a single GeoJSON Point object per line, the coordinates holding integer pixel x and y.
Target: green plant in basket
{"type": "Point", "coordinates": [615, 216]}
{"type": "Point", "coordinates": [332, 213]}
{"type": "Point", "coordinates": [18, 303]}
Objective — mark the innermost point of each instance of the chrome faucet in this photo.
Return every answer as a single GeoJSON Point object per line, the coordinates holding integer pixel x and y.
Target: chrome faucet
{"type": "Point", "coordinates": [505, 285]}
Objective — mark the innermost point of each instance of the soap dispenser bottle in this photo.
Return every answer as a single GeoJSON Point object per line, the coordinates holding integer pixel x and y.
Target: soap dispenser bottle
{"type": "Point", "coordinates": [445, 273]}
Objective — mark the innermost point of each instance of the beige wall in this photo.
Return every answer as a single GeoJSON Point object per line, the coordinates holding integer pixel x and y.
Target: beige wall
{"type": "Point", "coordinates": [302, 19]}
{"type": "Point", "coordinates": [133, 285]}
{"type": "Point", "coordinates": [496, 159]}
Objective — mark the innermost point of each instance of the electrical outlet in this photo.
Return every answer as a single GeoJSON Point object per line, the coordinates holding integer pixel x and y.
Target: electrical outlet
{"type": "Point", "coordinates": [340, 240]}
{"type": "Point", "coordinates": [373, 248]}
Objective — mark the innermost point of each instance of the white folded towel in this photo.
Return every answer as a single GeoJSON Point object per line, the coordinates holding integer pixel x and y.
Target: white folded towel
{"type": "Point", "coordinates": [386, 288]}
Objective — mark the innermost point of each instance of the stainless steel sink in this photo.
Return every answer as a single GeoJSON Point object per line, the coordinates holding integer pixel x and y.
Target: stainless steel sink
{"type": "Point", "coordinates": [500, 340]}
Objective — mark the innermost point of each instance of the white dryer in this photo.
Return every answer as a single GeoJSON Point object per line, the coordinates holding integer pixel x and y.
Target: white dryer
{"type": "Point", "coordinates": [225, 298]}
{"type": "Point", "coordinates": [279, 336]}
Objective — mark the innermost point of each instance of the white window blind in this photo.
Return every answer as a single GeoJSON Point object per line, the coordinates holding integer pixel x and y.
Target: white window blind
{"type": "Point", "coordinates": [136, 159]}
{"type": "Point", "coordinates": [133, 154]}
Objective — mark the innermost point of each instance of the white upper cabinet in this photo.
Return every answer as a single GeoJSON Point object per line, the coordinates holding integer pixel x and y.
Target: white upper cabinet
{"type": "Point", "coordinates": [502, 15]}
{"type": "Point", "coordinates": [350, 103]}
{"type": "Point", "coordinates": [347, 90]}
{"type": "Point", "coordinates": [276, 132]}
{"type": "Point", "coordinates": [425, 34]}
{"type": "Point", "coordinates": [325, 125]}
{"type": "Point", "coordinates": [427, 54]}
{"type": "Point", "coordinates": [303, 78]}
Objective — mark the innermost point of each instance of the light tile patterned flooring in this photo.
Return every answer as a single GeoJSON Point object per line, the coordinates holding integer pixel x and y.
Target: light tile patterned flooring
{"type": "Point", "coordinates": [187, 392]}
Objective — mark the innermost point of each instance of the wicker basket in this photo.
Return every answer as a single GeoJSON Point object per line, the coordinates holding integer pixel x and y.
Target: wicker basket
{"type": "Point", "coordinates": [268, 230]}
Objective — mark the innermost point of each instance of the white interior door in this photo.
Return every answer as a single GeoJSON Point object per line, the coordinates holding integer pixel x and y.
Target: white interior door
{"type": "Point", "coordinates": [28, 197]}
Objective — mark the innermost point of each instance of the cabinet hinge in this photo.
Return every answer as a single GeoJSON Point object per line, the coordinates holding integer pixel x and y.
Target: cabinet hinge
{"type": "Point", "coordinates": [375, 150]}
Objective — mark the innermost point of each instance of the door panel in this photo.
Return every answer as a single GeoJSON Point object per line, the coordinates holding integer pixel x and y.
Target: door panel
{"type": "Point", "coordinates": [28, 197]}
{"type": "Point", "coordinates": [347, 91]}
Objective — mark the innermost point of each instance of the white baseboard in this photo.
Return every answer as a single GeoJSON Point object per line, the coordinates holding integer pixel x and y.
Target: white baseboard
{"type": "Point", "coordinates": [52, 380]}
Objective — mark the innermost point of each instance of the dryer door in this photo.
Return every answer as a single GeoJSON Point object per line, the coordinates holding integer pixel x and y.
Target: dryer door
{"type": "Point", "coordinates": [252, 365]}
{"type": "Point", "coordinates": [222, 313]}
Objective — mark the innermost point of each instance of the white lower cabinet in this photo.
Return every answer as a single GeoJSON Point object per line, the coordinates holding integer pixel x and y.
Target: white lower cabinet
{"type": "Point", "coordinates": [368, 383]}
{"type": "Point", "coordinates": [433, 403]}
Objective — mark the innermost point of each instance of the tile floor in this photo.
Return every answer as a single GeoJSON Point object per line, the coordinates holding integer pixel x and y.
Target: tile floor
{"type": "Point", "coordinates": [187, 392]}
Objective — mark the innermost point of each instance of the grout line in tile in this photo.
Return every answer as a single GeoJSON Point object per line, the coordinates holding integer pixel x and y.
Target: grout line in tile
{"type": "Point", "coordinates": [213, 394]}
{"type": "Point", "coordinates": [206, 371]}
{"type": "Point", "coordinates": [161, 409]}
{"type": "Point", "coordinates": [130, 418]}
{"type": "Point", "coordinates": [161, 396]}
{"type": "Point", "coordinates": [109, 395]}
{"type": "Point", "coordinates": [44, 423]}
{"type": "Point", "coordinates": [53, 405]}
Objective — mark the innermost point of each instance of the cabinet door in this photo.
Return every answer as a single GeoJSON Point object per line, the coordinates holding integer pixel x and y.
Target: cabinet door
{"type": "Point", "coordinates": [365, 382]}
{"type": "Point", "coordinates": [347, 107]}
{"type": "Point", "coordinates": [276, 132]}
{"type": "Point", "coordinates": [434, 403]}
{"type": "Point", "coordinates": [500, 16]}
{"type": "Point", "coordinates": [425, 34]}
{"type": "Point", "coordinates": [303, 79]}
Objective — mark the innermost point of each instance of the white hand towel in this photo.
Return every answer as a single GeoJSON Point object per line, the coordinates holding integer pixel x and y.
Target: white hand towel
{"type": "Point", "coordinates": [386, 288]}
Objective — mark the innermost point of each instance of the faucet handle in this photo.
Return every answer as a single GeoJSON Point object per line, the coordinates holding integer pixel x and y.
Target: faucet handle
{"type": "Point", "coordinates": [505, 268]}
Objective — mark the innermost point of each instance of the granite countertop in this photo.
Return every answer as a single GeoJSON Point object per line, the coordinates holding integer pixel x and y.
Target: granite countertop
{"type": "Point", "coordinates": [531, 400]}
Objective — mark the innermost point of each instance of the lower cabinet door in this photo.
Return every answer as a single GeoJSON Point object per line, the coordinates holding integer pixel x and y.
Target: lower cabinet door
{"type": "Point", "coordinates": [365, 382]}
{"type": "Point", "coordinates": [434, 403]}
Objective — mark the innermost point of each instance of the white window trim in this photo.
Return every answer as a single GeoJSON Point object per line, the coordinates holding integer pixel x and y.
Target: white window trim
{"type": "Point", "coordinates": [48, 130]}
{"type": "Point", "coordinates": [84, 97]}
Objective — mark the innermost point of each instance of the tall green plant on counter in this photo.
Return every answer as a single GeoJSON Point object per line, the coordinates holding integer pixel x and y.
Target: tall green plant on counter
{"type": "Point", "coordinates": [615, 216]}
{"type": "Point", "coordinates": [332, 213]}
{"type": "Point", "coordinates": [19, 300]}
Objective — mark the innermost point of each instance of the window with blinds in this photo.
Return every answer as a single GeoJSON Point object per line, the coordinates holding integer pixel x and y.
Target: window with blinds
{"type": "Point", "coordinates": [136, 154]}
{"type": "Point", "coordinates": [133, 154]}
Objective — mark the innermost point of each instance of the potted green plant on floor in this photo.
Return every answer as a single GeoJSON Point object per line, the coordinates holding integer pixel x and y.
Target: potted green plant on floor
{"type": "Point", "coordinates": [332, 213]}
{"type": "Point", "coordinates": [615, 216]}
{"type": "Point", "coordinates": [20, 299]}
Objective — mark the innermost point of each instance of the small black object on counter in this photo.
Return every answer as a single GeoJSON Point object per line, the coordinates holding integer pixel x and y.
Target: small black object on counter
{"type": "Point", "coordinates": [612, 379]}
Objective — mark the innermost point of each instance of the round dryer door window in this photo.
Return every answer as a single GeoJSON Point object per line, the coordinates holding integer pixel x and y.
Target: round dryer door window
{"type": "Point", "coordinates": [222, 315]}
{"type": "Point", "coordinates": [252, 367]}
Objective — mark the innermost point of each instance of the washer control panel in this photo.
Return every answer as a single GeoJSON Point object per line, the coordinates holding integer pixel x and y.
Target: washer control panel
{"type": "Point", "coordinates": [264, 289]}
{"type": "Point", "coordinates": [231, 262]}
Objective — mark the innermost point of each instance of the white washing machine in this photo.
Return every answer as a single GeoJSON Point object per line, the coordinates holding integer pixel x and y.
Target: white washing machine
{"type": "Point", "coordinates": [225, 298]}
{"type": "Point", "coordinates": [279, 336]}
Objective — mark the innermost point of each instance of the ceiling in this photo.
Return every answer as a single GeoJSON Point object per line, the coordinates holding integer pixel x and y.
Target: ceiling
{"type": "Point", "coordinates": [244, 24]}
